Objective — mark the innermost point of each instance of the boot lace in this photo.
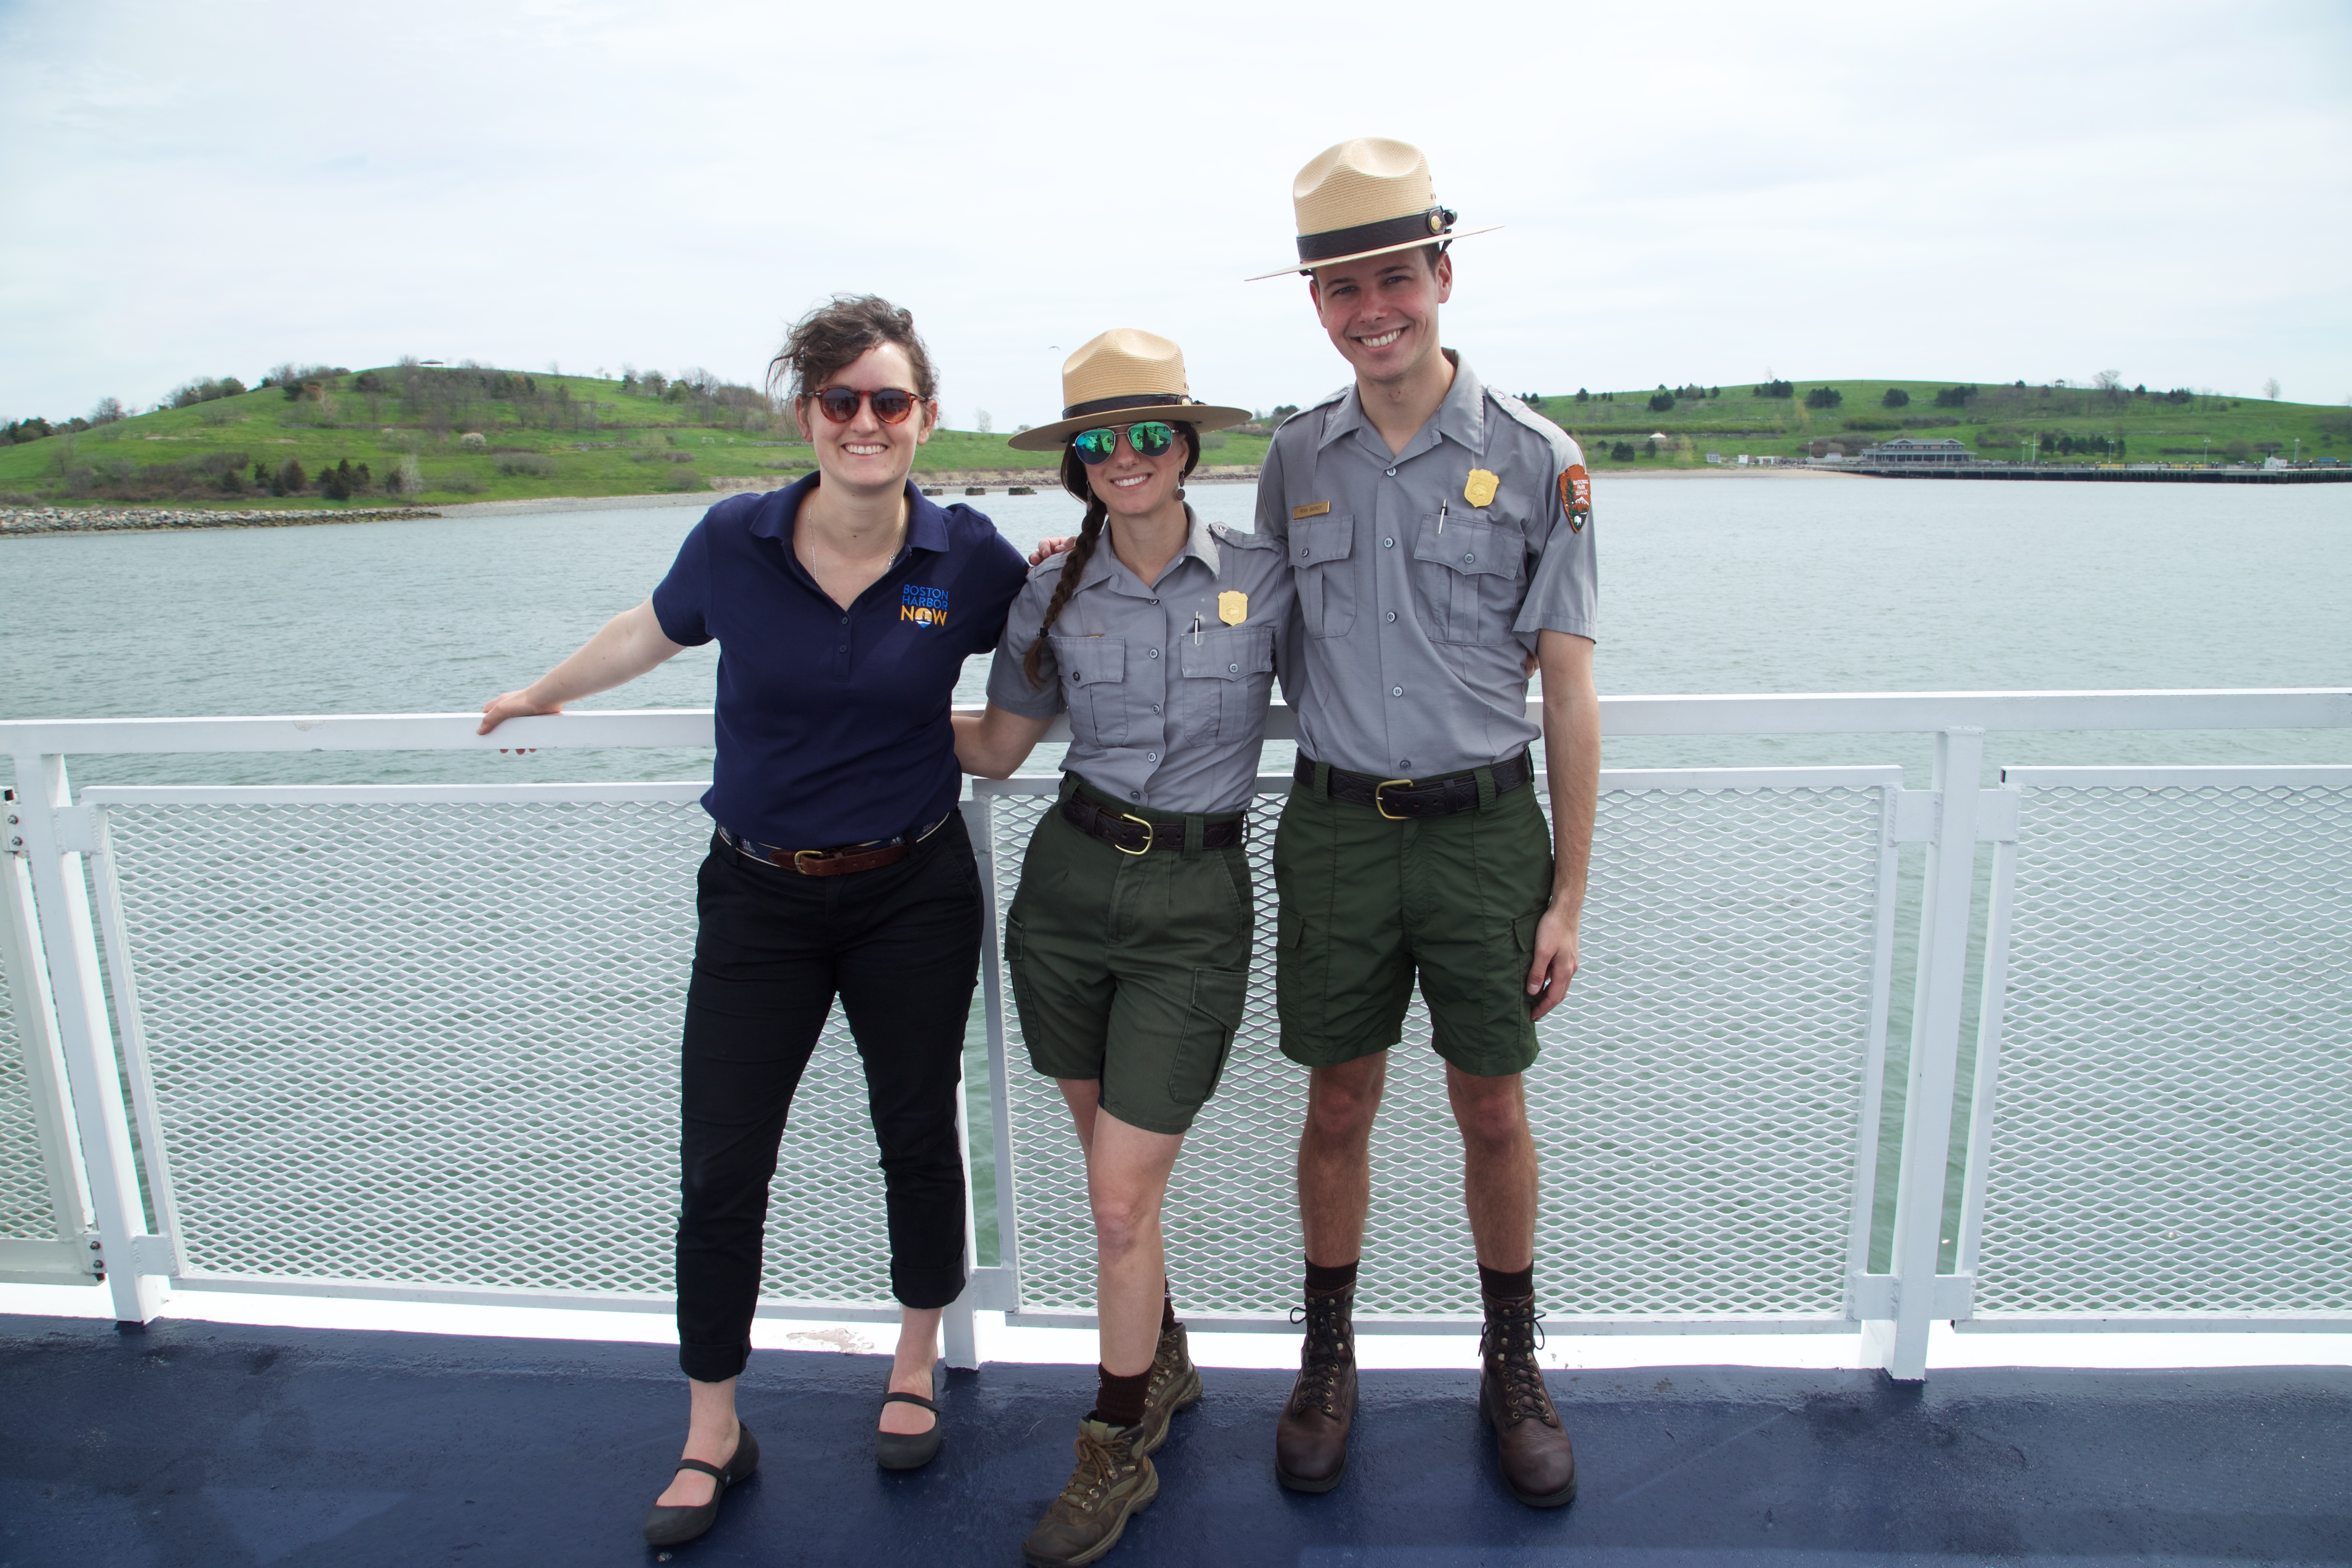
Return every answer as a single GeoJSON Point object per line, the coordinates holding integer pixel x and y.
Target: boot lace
{"type": "Point", "coordinates": [1508, 1342]}
{"type": "Point", "coordinates": [1097, 1470]}
{"type": "Point", "coordinates": [1327, 1351]}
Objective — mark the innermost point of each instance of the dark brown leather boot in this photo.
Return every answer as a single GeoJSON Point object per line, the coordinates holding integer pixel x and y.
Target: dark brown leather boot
{"type": "Point", "coordinates": [1537, 1460]}
{"type": "Point", "coordinates": [1310, 1441]}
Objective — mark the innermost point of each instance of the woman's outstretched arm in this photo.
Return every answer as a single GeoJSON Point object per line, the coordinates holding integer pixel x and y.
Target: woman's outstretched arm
{"type": "Point", "coordinates": [630, 644]}
{"type": "Point", "coordinates": [996, 742]}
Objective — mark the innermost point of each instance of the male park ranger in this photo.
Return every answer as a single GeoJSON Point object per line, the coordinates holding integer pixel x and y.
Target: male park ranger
{"type": "Point", "coordinates": [1439, 533]}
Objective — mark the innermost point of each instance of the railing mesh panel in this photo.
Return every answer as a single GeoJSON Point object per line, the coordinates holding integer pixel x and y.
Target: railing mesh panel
{"type": "Point", "coordinates": [1697, 1105]}
{"type": "Point", "coordinates": [437, 1043]}
{"type": "Point", "coordinates": [26, 1212]}
{"type": "Point", "coordinates": [2173, 1127]}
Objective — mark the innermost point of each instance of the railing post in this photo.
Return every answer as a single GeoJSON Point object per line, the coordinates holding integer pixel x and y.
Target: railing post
{"type": "Point", "coordinates": [69, 942]}
{"type": "Point", "coordinates": [1935, 1050]}
{"type": "Point", "coordinates": [36, 1017]}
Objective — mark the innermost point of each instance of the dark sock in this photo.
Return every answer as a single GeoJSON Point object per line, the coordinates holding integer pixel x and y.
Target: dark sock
{"type": "Point", "coordinates": [1341, 1277]}
{"type": "Point", "coordinates": [1167, 1311]}
{"type": "Point", "coordinates": [1118, 1401]}
{"type": "Point", "coordinates": [1506, 1284]}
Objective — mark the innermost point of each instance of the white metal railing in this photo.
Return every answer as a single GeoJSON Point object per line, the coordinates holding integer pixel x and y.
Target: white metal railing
{"type": "Point", "coordinates": [417, 1042]}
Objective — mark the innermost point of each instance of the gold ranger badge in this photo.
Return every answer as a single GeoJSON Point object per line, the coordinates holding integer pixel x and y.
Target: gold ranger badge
{"type": "Point", "coordinates": [1479, 489]}
{"type": "Point", "coordinates": [1232, 608]}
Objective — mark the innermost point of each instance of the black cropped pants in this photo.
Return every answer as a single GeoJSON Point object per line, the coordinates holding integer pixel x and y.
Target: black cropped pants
{"type": "Point", "coordinates": [900, 947]}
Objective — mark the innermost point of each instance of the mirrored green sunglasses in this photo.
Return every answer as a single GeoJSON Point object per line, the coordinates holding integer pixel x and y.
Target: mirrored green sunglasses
{"type": "Point", "coordinates": [1150, 438]}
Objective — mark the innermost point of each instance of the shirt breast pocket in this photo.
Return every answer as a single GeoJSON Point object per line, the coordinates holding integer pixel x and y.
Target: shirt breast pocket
{"type": "Point", "coordinates": [1228, 677]}
{"type": "Point", "coordinates": [1094, 688]}
{"type": "Point", "coordinates": [1466, 579]}
{"type": "Point", "coordinates": [1320, 566]}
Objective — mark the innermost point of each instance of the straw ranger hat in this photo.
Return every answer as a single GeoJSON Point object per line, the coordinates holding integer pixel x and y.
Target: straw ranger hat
{"type": "Point", "coordinates": [1125, 375]}
{"type": "Point", "coordinates": [1367, 197]}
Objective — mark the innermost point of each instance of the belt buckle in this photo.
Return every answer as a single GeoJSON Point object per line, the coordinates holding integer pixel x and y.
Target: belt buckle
{"type": "Point", "coordinates": [1147, 830]}
{"type": "Point", "coordinates": [798, 855]}
{"type": "Point", "coordinates": [1381, 806]}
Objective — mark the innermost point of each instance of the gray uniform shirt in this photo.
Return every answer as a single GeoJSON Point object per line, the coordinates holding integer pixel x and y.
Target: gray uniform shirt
{"type": "Point", "coordinates": [1167, 699]}
{"type": "Point", "coordinates": [1417, 606]}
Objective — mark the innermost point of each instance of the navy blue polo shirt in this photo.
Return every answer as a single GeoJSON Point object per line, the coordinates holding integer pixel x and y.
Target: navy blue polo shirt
{"type": "Point", "coordinates": [832, 725]}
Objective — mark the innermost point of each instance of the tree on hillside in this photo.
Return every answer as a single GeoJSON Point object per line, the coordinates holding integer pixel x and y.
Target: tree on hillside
{"type": "Point", "coordinates": [1824, 397]}
{"type": "Point", "coordinates": [1896, 398]}
{"type": "Point", "coordinates": [2271, 389]}
{"type": "Point", "coordinates": [1776, 389]}
{"type": "Point", "coordinates": [107, 412]}
{"type": "Point", "coordinates": [1661, 402]}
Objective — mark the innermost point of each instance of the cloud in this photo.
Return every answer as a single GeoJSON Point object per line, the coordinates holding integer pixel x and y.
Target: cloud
{"type": "Point", "coordinates": [2008, 191]}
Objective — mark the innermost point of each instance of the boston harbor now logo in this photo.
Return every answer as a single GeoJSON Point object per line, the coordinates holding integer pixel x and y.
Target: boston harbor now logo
{"type": "Point", "coordinates": [924, 606]}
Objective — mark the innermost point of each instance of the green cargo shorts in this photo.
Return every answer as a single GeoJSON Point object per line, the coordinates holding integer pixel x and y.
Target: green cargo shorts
{"type": "Point", "coordinates": [1367, 903]}
{"type": "Point", "coordinates": [1131, 969]}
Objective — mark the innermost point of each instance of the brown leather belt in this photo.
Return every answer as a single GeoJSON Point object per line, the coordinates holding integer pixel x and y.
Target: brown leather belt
{"type": "Point", "coordinates": [1134, 835]}
{"type": "Point", "coordinates": [838, 861]}
{"type": "Point", "coordinates": [1398, 799]}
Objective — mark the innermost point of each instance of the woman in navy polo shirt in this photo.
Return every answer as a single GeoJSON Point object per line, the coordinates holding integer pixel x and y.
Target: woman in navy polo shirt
{"type": "Point", "coordinates": [844, 608]}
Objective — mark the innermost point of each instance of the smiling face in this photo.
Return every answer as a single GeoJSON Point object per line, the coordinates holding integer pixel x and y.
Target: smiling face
{"type": "Point", "coordinates": [864, 454]}
{"type": "Point", "coordinates": [1132, 486]}
{"type": "Point", "coordinates": [1381, 312]}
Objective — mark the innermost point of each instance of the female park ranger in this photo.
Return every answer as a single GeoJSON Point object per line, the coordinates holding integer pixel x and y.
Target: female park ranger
{"type": "Point", "coordinates": [1129, 943]}
{"type": "Point", "coordinates": [844, 607]}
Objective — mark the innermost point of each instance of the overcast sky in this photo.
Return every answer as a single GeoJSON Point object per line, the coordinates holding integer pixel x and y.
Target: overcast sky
{"type": "Point", "coordinates": [1692, 193]}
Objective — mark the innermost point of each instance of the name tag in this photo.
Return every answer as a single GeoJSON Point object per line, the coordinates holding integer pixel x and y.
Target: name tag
{"type": "Point", "coordinates": [1312, 509]}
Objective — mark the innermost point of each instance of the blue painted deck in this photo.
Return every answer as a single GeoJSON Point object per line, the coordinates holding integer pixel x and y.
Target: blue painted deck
{"type": "Point", "coordinates": [205, 1444]}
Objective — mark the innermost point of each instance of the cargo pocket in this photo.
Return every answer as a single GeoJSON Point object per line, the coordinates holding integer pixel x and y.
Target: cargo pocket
{"type": "Point", "coordinates": [1208, 1036]}
{"type": "Point", "coordinates": [1016, 968]}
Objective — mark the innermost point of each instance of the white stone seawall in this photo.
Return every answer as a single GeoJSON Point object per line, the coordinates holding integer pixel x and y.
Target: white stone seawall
{"type": "Point", "coordinates": [147, 520]}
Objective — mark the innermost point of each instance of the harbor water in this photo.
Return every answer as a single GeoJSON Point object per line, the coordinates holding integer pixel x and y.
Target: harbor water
{"type": "Point", "coordinates": [1710, 583]}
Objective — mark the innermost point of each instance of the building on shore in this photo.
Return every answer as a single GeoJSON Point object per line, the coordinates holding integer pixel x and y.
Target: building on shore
{"type": "Point", "coordinates": [1911, 449]}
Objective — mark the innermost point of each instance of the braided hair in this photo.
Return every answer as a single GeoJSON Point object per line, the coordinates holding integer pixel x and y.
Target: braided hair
{"type": "Point", "coordinates": [1090, 533]}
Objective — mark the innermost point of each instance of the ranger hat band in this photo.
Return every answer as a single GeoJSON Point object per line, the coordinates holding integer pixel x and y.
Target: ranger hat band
{"type": "Point", "coordinates": [1121, 377]}
{"type": "Point", "coordinates": [1367, 197]}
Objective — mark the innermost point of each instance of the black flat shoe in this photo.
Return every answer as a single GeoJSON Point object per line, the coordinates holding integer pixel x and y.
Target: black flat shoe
{"type": "Point", "coordinates": [908, 1450]}
{"type": "Point", "coordinates": [670, 1526]}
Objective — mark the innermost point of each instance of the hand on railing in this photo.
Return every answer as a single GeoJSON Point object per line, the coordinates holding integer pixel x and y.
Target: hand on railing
{"type": "Point", "coordinates": [509, 705]}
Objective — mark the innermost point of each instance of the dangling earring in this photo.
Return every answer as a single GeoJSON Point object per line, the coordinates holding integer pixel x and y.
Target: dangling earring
{"type": "Point", "coordinates": [1179, 492]}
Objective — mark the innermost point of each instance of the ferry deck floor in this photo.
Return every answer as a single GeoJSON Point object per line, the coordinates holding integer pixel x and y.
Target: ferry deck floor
{"type": "Point", "coordinates": [193, 1442]}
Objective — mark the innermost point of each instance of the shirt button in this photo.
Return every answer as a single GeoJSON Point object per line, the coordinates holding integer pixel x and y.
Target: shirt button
{"type": "Point", "coordinates": [843, 648]}
{"type": "Point", "coordinates": [1404, 762]}
{"type": "Point", "coordinates": [1396, 691]}
{"type": "Point", "coordinates": [1155, 653]}
{"type": "Point", "coordinates": [1233, 670]}
{"type": "Point", "coordinates": [844, 620]}
{"type": "Point", "coordinates": [1155, 707]}
{"type": "Point", "coordinates": [1150, 756]}
{"type": "Point", "coordinates": [1467, 560]}
{"type": "Point", "coordinates": [1135, 794]}
{"type": "Point", "coordinates": [1155, 600]}
{"type": "Point", "coordinates": [1392, 473]}
{"type": "Point", "coordinates": [1388, 544]}
{"type": "Point", "coordinates": [1393, 614]}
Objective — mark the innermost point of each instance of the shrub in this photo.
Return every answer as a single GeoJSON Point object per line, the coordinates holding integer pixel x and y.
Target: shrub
{"type": "Point", "coordinates": [1622, 452]}
{"type": "Point", "coordinates": [1896, 398]}
{"type": "Point", "coordinates": [1955, 396]}
{"type": "Point", "coordinates": [407, 478]}
{"type": "Point", "coordinates": [335, 483]}
{"type": "Point", "coordinates": [289, 479]}
{"type": "Point", "coordinates": [1776, 389]}
{"type": "Point", "coordinates": [1661, 402]}
{"type": "Point", "coordinates": [527, 463]}
{"type": "Point", "coordinates": [1824, 397]}
{"type": "Point", "coordinates": [474, 439]}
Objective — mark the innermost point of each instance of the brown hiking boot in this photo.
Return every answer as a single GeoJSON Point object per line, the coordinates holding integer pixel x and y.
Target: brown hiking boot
{"type": "Point", "coordinates": [1310, 1441]}
{"type": "Point", "coordinates": [1111, 1482]}
{"type": "Point", "coordinates": [1175, 1385]}
{"type": "Point", "coordinates": [1537, 1460]}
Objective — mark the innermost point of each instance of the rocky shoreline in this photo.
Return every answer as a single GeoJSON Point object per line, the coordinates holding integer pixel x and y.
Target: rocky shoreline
{"type": "Point", "coordinates": [150, 519]}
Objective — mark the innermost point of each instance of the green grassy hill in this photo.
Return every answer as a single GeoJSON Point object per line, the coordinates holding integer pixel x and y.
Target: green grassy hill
{"type": "Point", "coordinates": [2067, 425]}
{"type": "Point", "coordinates": [437, 435]}
{"type": "Point", "coordinates": [426, 435]}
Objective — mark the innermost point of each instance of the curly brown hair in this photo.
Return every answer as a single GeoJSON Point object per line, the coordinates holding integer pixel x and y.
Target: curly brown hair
{"type": "Point", "coordinates": [1090, 531]}
{"type": "Point", "coordinates": [829, 339]}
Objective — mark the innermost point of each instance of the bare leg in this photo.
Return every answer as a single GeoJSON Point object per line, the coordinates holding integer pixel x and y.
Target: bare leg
{"type": "Point", "coordinates": [910, 1369]}
{"type": "Point", "coordinates": [1334, 1160]}
{"type": "Point", "coordinates": [1127, 1181]}
{"type": "Point", "coordinates": [710, 1434]}
{"type": "Point", "coordinates": [1499, 1181]}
